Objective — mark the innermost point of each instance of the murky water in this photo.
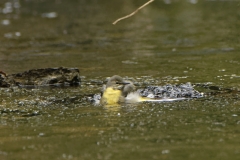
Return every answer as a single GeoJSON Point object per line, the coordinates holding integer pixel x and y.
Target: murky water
{"type": "Point", "coordinates": [167, 42]}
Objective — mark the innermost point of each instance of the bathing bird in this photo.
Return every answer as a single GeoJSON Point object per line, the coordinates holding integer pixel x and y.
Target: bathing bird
{"type": "Point", "coordinates": [116, 90]}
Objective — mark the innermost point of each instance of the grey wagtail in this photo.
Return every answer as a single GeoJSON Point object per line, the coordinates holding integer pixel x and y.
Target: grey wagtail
{"type": "Point", "coordinates": [118, 91]}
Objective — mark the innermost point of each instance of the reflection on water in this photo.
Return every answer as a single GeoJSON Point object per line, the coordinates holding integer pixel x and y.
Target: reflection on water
{"type": "Point", "coordinates": [168, 42]}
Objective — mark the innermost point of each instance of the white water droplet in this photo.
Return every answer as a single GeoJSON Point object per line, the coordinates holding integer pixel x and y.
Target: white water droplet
{"type": "Point", "coordinates": [165, 151]}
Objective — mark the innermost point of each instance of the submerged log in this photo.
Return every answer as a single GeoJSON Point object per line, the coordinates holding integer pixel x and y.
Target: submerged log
{"type": "Point", "coordinates": [42, 77]}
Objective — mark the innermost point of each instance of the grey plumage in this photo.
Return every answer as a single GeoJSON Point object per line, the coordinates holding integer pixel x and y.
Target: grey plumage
{"type": "Point", "coordinates": [117, 82]}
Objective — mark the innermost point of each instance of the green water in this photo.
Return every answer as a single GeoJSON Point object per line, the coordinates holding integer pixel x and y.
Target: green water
{"type": "Point", "coordinates": [163, 43]}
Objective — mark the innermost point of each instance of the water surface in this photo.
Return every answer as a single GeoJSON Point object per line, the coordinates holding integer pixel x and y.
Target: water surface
{"type": "Point", "coordinates": [164, 43]}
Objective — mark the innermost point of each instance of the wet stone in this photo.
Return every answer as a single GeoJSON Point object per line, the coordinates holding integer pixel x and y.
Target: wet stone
{"type": "Point", "coordinates": [3, 82]}
{"type": "Point", "coordinates": [42, 77]}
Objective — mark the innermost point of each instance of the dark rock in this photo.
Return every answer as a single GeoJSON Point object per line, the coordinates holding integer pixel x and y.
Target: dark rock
{"type": "Point", "coordinates": [42, 77]}
{"type": "Point", "coordinates": [3, 82]}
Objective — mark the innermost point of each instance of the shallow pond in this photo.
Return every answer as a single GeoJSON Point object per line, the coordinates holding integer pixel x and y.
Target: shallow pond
{"type": "Point", "coordinates": [168, 42]}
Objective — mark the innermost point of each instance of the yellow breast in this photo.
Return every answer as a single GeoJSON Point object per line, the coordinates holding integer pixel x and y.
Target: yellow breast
{"type": "Point", "coordinates": [111, 96]}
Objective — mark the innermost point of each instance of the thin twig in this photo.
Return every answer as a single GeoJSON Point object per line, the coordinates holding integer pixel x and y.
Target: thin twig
{"type": "Point", "coordinates": [129, 15]}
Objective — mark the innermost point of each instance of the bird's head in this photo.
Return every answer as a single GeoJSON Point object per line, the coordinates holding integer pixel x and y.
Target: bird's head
{"type": "Point", "coordinates": [116, 82]}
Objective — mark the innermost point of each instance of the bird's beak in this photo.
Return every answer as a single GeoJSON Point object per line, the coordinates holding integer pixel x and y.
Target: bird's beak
{"type": "Point", "coordinates": [122, 83]}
